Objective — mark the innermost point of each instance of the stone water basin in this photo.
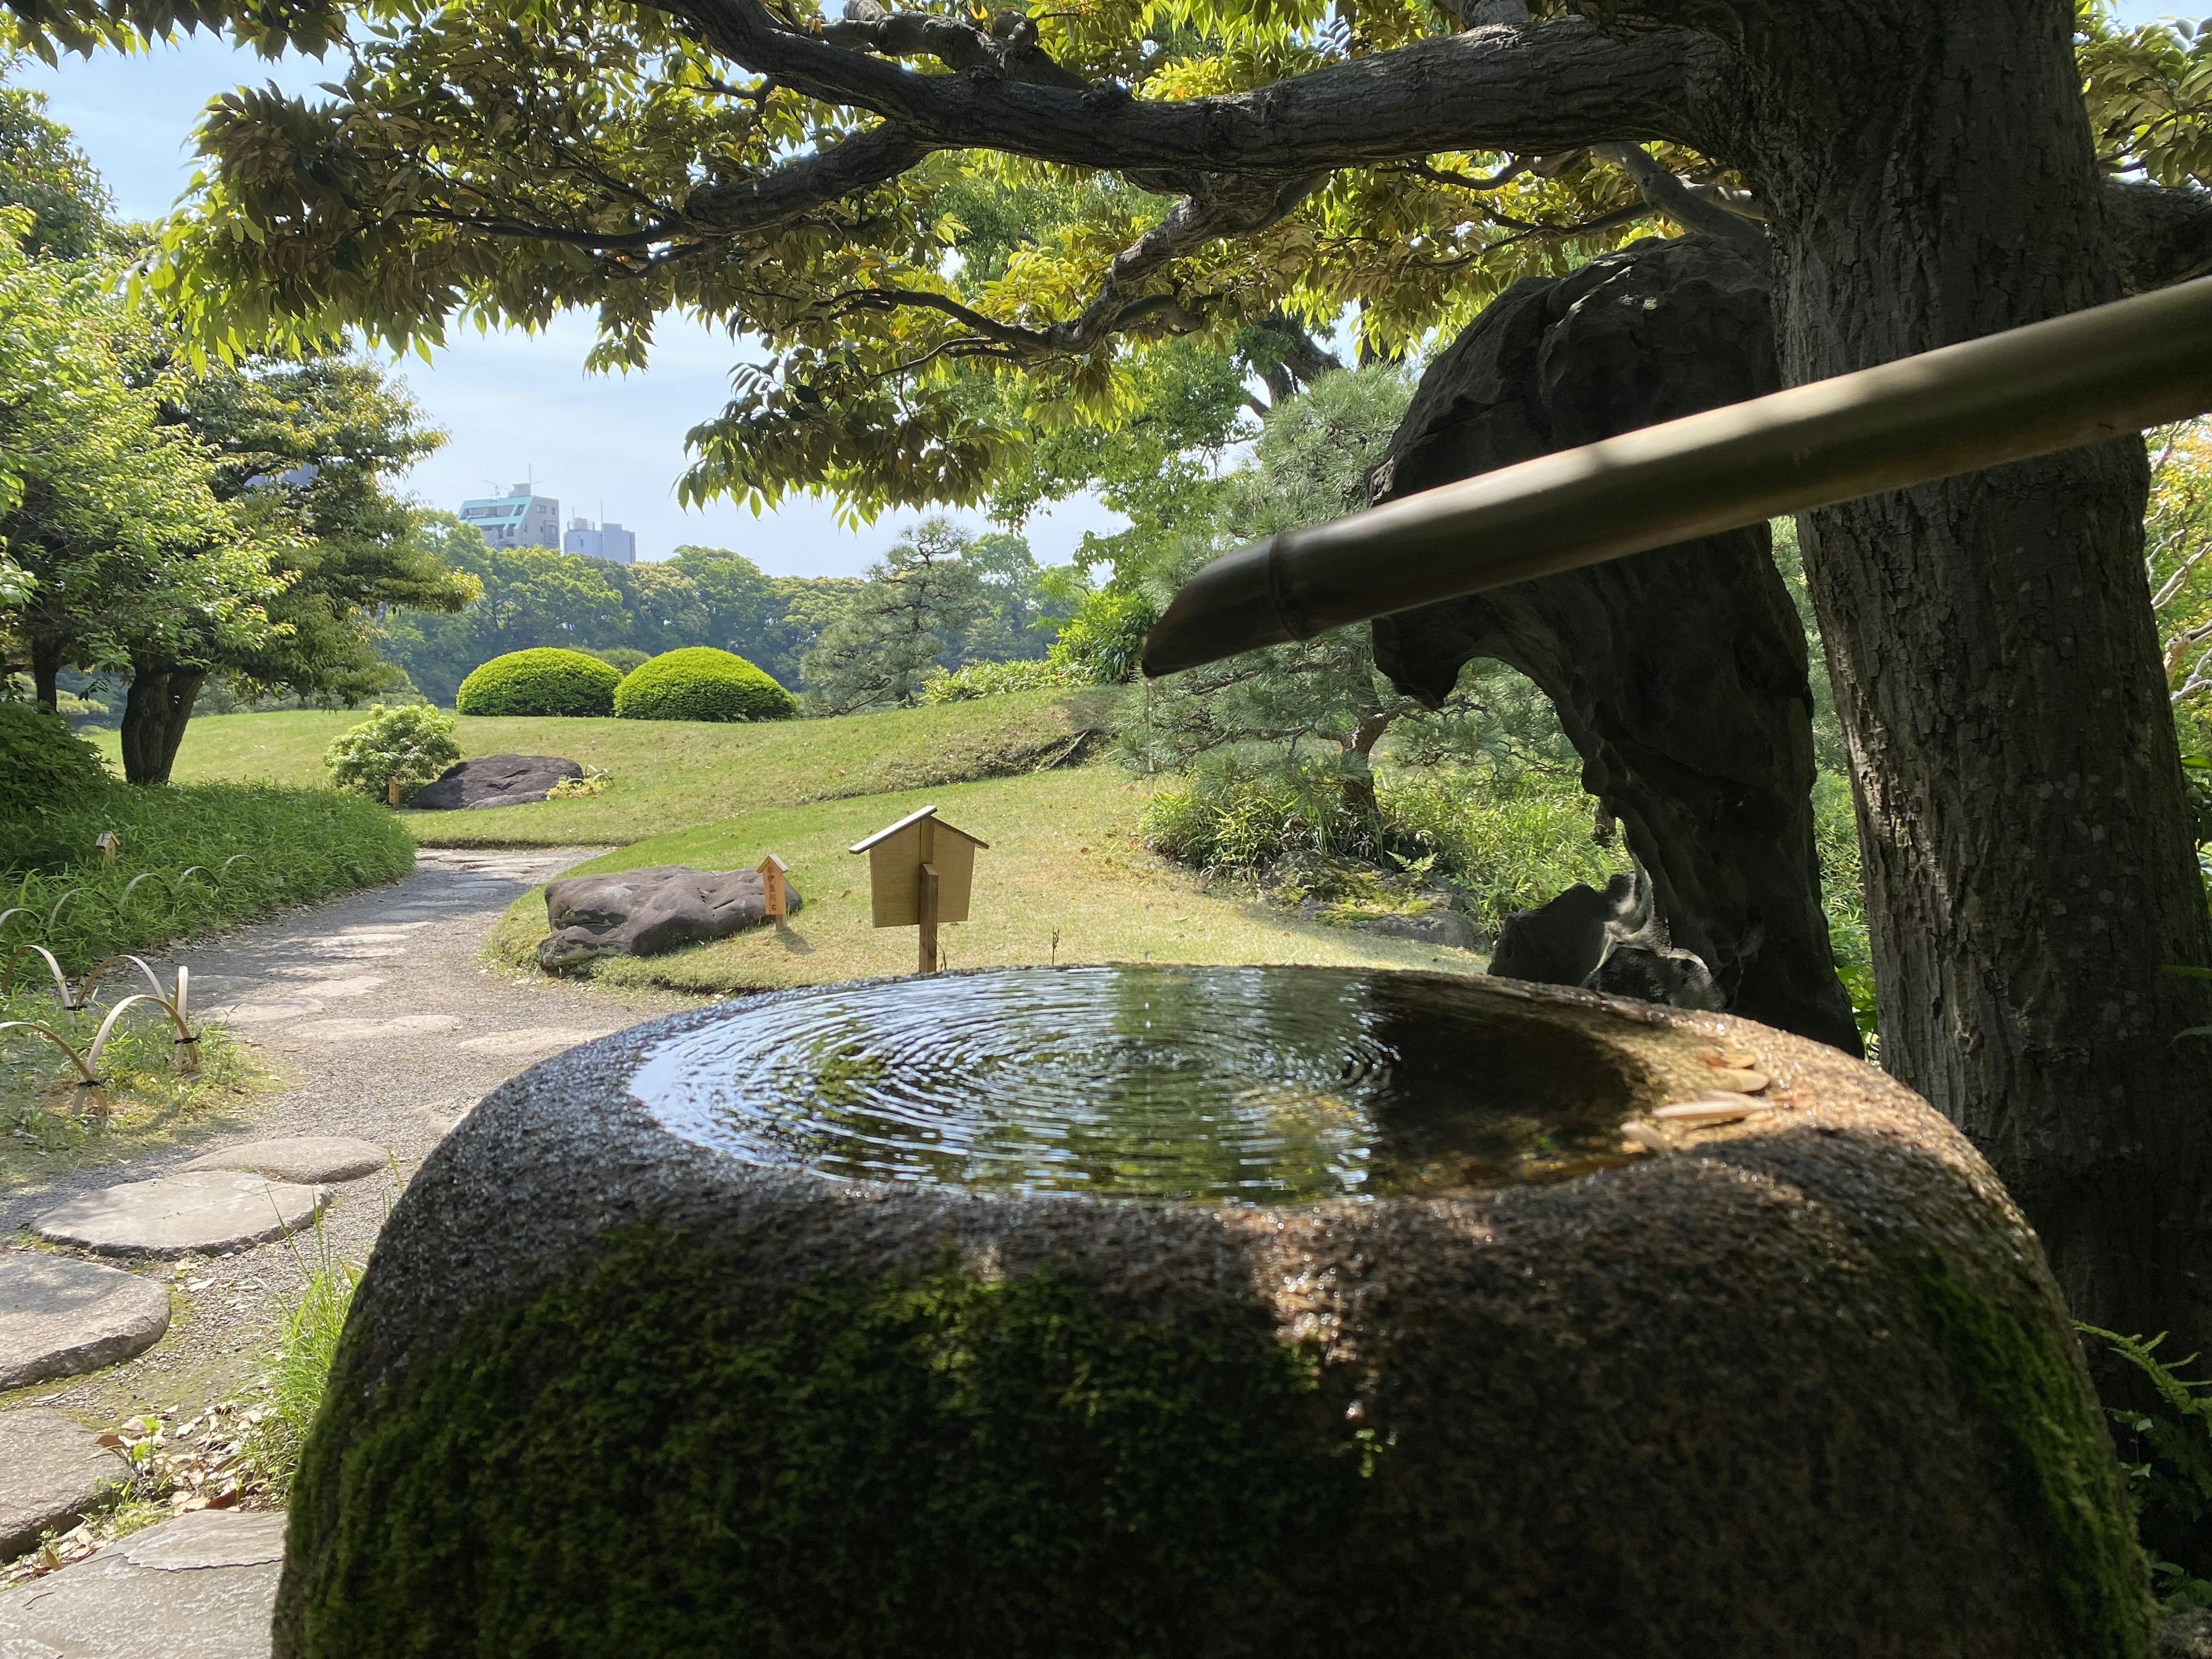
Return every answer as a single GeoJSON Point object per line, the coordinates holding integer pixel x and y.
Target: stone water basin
{"type": "Point", "coordinates": [1207, 1311]}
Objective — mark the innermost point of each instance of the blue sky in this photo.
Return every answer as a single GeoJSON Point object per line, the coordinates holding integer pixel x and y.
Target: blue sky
{"type": "Point", "coordinates": [517, 406]}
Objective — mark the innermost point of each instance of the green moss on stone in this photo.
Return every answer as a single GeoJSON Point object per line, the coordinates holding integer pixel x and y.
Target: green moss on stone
{"type": "Point", "coordinates": [2065, 1488]}
{"type": "Point", "coordinates": [650, 1459]}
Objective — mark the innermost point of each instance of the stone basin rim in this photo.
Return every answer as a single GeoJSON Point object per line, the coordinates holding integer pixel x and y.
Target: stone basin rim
{"type": "Point", "coordinates": [606, 1065]}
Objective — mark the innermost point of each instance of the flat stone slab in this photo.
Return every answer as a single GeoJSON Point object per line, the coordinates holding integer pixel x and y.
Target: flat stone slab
{"type": "Point", "coordinates": [304, 1159]}
{"type": "Point", "coordinates": [198, 1210]}
{"type": "Point", "coordinates": [52, 1471]}
{"type": "Point", "coordinates": [148, 1597]}
{"type": "Point", "coordinates": [59, 1317]}
{"type": "Point", "coordinates": [371, 1031]}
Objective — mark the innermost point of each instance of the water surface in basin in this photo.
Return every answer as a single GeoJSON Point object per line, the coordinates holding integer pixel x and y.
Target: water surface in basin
{"type": "Point", "coordinates": [1257, 1085]}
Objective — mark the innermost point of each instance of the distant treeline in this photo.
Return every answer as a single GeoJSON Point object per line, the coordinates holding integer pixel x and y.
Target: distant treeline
{"type": "Point", "coordinates": [701, 596]}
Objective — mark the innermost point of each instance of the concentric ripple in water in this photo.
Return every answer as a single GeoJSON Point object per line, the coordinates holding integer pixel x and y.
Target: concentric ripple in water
{"type": "Point", "coordinates": [1257, 1085]}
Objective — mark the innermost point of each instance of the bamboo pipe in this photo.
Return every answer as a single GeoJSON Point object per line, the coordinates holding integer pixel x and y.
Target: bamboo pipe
{"type": "Point", "coordinates": [2096, 374]}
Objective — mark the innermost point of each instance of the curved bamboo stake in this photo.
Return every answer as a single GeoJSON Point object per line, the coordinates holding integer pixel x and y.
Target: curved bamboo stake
{"type": "Point", "coordinates": [54, 914]}
{"type": "Point", "coordinates": [85, 1074]}
{"type": "Point", "coordinates": [84, 986]}
{"type": "Point", "coordinates": [61, 979]}
{"type": "Point", "coordinates": [14, 910]}
{"type": "Point", "coordinates": [108, 1029]}
{"type": "Point", "coordinates": [132, 886]}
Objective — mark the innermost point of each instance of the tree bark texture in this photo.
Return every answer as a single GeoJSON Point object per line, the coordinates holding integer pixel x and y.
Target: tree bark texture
{"type": "Point", "coordinates": [1681, 676]}
{"type": "Point", "coordinates": [154, 712]}
{"type": "Point", "coordinates": [46, 671]}
{"type": "Point", "coordinates": [1929, 177]}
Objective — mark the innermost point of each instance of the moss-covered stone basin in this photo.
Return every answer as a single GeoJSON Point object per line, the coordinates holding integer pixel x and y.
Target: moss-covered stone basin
{"type": "Point", "coordinates": [1166, 1311]}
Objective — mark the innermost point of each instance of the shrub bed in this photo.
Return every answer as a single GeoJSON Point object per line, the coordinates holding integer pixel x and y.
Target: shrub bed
{"type": "Point", "coordinates": [189, 857]}
{"type": "Point", "coordinates": [545, 680]}
{"type": "Point", "coordinates": [699, 683]}
{"type": "Point", "coordinates": [41, 761]}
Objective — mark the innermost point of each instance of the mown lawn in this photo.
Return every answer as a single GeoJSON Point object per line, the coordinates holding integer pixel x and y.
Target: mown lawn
{"type": "Point", "coordinates": [664, 775]}
{"type": "Point", "coordinates": [1064, 880]}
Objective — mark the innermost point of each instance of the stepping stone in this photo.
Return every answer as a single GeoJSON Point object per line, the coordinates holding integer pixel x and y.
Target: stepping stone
{"type": "Point", "coordinates": [205, 1210]}
{"type": "Point", "coordinates": [59, 1317]}
{"type": "Point", "coordinates": [267, 1011]}
{"type": "Point", "coordinates": [348, 985]}
{"type": "Point", "coordinates": [149, 1596]}
{"type": "Point", "coordinates": [53, 1471]}
{"type": "Point", "coordinates": [209, 1538]}
{"type": "Point", "coordinates": [301, 1159]}
{"type": "Point", "coordinates": [365, 1030]}
{"type": "Point", "coordinates": [531, 1040]}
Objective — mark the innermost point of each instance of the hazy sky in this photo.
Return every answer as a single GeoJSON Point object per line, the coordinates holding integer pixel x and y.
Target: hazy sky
{"type": "Point", "coordinates": [519, 406]}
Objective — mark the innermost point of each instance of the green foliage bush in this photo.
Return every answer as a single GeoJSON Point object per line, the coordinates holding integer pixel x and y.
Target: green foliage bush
{"type": "Point", "coordinates": [212, 854]}
{"type": "Point", "coordinates": [41, 760]}
{"type": "Point", "coordinates": [995, 679]}
{"type": "Point", "coordinates": [545, 680]}
{"type": "Point", "coordinates": [699, 683]}
{"type": "Point", "coordinates": [1106, 635]}
{"type": "Point", "coordinates": [1508, 848]}
{"type": "Point", "coordinates": [2167, 1459]}
{"type": "Point", "coordinates": [413, 743]}
{"type": "Point", "coordinates": [623, 659]}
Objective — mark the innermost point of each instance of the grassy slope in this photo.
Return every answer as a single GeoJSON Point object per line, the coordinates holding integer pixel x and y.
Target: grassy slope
{"type": "Point", "coordinates": [667, 774]}
{"type": "Point", "coordinates": [1063, 857]}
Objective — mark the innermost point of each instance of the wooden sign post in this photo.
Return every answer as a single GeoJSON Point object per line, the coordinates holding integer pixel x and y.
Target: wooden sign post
{"type": "Point", "coordinates": [920, 873]}
{"type": "Point", "coordinates": [771, 875]}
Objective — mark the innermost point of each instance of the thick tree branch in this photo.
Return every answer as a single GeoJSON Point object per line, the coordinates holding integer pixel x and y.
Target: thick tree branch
{"type": "Point", "coordinates": [1007, 48]}
{"type": "Point", "coordinates": [2161, 235]}
{"type": "Point", "coordinates": [797, 187]}
{"type": "Point", "coordinates": [1668, 195]}
{"type": "Point", "coordinates": [1535, 88]}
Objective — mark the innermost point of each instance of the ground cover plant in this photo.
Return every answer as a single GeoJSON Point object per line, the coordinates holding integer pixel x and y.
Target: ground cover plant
{"type": "Point", "coordinates": [187, 859]}
{"type": "Point", "coordinates": [544, 680]}
{"type": "Point", "coordinates": [664, 772]}
{"type": "Point", "coordinates": [1066, 880]}
{"type": "Point", "coordinates": [699, 683]}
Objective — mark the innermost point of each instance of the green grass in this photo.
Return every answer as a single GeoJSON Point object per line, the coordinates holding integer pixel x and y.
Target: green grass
{"type": "Point", "coordinates": [1064, 860]}
{"type": "Point", "coordinates": [663, 775]}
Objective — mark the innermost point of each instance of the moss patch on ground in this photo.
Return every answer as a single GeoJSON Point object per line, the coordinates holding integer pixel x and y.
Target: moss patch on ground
{"type": "Point", "coordinates": [1064, 880]}
{"type": "Point", "coordinates": [2065, 1488]}
{"type": "Point", "coordinates": [662, 774]}
{"type": "Point", "coordinates": [656, 1459]}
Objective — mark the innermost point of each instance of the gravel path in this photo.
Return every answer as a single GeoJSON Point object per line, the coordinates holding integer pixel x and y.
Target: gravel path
{"type": "Point", "coordinates": [387, 1026]}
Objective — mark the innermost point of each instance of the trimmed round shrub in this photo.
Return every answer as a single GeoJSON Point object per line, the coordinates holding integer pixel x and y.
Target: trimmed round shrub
{"type": "Point", "coordinates": [413, 743]}
{"type": "Point", "coordinates": [41, 760]}
{"type": "Point", "coordinates": [544, 681]}
{"type": "Point", "coordinates": [699, 683]}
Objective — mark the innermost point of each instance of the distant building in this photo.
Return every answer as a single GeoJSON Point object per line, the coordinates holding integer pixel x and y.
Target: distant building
{"type": "Point", "coordinates": [518, 519]}
{"type": "Point", "coordinates": [609, 541]}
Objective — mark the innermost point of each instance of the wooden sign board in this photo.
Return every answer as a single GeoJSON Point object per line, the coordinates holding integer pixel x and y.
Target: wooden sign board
{"type": "Point", "coordinates": [773, 896]}
{"type": "Point", "coordinates": [921, 873]}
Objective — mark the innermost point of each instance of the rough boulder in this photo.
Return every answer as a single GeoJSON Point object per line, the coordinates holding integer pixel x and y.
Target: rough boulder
{"type": "Point", "coordinates": [496, 780]}
{"type": "Point", "coordinates": [645, 913]}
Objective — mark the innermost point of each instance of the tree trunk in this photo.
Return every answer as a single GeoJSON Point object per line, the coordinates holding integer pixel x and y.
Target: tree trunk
{"type": "Point", "coordinates": [154, 712]}
{"type": "Point", "coordinates": [46, 672]}
{"type": "Point", "coordinates": [2028, 862]}
{"type": "Point", "coordinates": [1680, 677]}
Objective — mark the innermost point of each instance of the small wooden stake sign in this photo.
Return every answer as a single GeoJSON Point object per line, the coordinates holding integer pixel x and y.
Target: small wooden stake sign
{"type": "Point", "coordinates": [919, 873]}
{"type": "Point", "coordinates": [771, 875]}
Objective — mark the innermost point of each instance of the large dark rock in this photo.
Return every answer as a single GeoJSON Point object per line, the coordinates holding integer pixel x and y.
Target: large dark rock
{"type": "Point", "coordinates": [645, 913]}
{"type": "Point", "coordinates": [496, 780]}
{"type": "Point", "coordinates": [1680, 675]}
{"type": "Point", "coordinates": [1798, 1385]}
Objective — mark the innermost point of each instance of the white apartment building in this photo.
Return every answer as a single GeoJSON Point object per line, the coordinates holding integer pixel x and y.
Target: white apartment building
{"type": "Point", "coordinates": [609, 541]}
{"type": "Point", "coordinates": [518, 519]}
